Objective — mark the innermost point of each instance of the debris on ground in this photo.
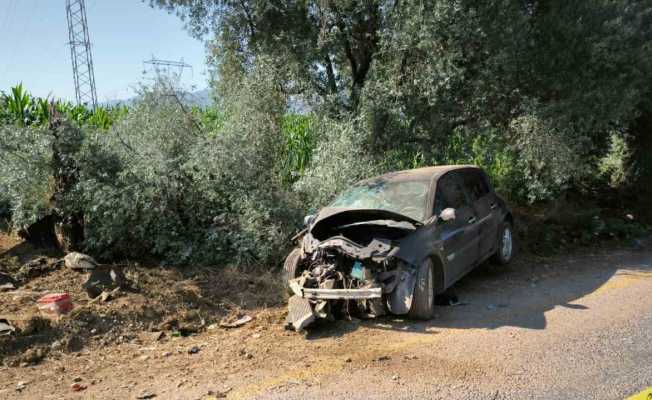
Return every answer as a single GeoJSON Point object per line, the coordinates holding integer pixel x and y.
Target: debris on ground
{"type": "Point", "coordinates": [35, 268]}
{"type": "Point", "coordinates": [244, 353]}
{"type": "Point", "coordinates": [32, 356]}
{"type": "Point", "coordinates": [145, 395]}
{"type": "Point", "coordinates": [184, 323]}
{"type": "Point", "coordinates": [218, 394]}
{"type": "Point", "coordinates": [78, 387]}
{"type": "Point", "coordinates": [79, 262]}
{"type": "Point", "coordinates": [5, 327]}
{"type": "Point", "coordinates": [20, 386]}
{"type": "Point", "coordinates": [55, 304]}
{"type": "Point", "coordinates": [107, 296]}
{"type": "Point", "coordinates": [6, 282]}
{"type": "Point", "coordinates": [230, 322]}
{"type": "Point", "coordinates": [194, 350]}
{"type": "Point", "coordinates": [446, 299]}
{"type": "Point", "coordinates": [104, 278]}
{"type": "Point", "coordinates": [147, 305]}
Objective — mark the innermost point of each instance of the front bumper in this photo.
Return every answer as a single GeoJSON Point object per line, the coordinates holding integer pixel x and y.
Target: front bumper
{"type": "Point", "coordinates": [341, 294]}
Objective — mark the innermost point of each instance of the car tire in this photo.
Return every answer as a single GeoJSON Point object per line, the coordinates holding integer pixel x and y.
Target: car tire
{"type": "Point", "coordinates": [423, 297]}
{"type": "Point", "coordinates": [505, 246]}
{"type": "Point", "coordinates": [291, 267]}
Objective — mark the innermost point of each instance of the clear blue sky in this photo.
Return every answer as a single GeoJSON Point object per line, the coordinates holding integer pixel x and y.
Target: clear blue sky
{"type": "Point", "coordinates": [123, 33]}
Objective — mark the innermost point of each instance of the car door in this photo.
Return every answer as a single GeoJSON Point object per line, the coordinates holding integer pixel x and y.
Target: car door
{"type": "Point", "coordinates": [459, 237]}
{"type": "Point", "coordinates": [476, 184]}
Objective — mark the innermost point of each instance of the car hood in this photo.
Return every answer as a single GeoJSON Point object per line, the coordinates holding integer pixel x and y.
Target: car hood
{"type": "Point", "coordinates": [332, 216]}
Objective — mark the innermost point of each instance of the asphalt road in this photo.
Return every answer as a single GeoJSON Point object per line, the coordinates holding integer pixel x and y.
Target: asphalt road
{"type": "Point", "coordinates": [577, 328]}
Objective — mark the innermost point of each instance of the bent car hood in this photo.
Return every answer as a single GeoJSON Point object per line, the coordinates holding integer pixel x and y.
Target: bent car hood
{"type": "Point", "coordinates": [332, 216]}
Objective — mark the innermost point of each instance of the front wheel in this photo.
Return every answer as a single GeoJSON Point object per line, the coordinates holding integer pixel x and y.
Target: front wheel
{"type": "Point", "coordinates": [423, 297]}
{"type": "Point", "coordinates": [291, 268]}
{"type": "Point", "coordinates": [505, 247]}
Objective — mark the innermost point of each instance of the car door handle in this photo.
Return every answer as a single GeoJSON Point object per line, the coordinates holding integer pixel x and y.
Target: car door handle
{"type": "Point", "coordinates": [493, 206]}
{"type": "Point", "coordinates": [471, 220]}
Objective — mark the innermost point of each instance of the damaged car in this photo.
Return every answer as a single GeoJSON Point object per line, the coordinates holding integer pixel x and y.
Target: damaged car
{"type": "Point", "coordinates": [389, 244]}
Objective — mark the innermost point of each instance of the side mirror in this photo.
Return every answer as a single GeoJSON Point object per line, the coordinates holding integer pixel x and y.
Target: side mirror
{"type": "Point", "coordinates": [448, 214]}
{"type": "Point", "coordinates": [308, 219]}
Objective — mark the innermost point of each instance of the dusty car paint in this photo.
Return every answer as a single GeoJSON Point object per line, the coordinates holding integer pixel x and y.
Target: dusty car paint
{"type": "Point", "coordinates": [366, 260]}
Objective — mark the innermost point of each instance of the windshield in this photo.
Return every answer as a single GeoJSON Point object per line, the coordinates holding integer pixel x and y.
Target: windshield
{"type": "Point", "coordinates": [403, 197]}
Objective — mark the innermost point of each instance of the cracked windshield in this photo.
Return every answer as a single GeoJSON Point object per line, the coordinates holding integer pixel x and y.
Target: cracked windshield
{"type": "Point", "coordinates": [407, 198]}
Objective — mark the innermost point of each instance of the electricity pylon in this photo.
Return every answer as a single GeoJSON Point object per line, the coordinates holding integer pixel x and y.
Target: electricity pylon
{"type": "Point", "coordinates": [80, 53]}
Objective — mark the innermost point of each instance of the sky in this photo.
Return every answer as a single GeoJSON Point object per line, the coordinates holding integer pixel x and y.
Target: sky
{"type": "Point", "coordinates": [123, 33]}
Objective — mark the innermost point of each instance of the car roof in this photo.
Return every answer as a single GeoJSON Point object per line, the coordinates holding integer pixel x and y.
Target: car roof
{"type": "Point", "coordinates": [418, 174]}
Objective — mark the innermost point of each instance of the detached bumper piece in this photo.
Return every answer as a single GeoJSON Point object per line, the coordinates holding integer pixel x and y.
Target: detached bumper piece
{"type": "Point", "coordinates": [300, 314]}
{"type": "Point", "coordinates": [308, 304]}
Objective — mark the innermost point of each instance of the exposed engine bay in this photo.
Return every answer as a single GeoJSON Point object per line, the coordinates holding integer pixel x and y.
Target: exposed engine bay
{"type": "Point", "coordinates": [353, 262]}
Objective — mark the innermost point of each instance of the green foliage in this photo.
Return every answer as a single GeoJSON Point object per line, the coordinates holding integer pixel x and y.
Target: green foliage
{"type": "Point", "coordinates": [154, 184]}
{"type": "Point", "coordinates": [18, 104]}
{"type": "Point", "coordinates": [615, 166]}
{"type": "Point", "coordinates": [548, 80]}
{"type": "Point", "coordinates": [337, 162]}
{"type": "Point", "coordinates": [22, 109]}
{"type": "Point", "coordinates": [539, 94]}
{"type": "Point", "coordinates": [298, 131]}
{"type": "Point", "coordinates": [25, 156]}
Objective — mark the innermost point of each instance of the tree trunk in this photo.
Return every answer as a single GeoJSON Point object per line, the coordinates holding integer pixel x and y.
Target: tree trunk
{"type": "Point", "coordinates": [68, 226]}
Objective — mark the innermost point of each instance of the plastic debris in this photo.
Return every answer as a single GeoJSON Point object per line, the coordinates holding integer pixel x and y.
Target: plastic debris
{"type": "Point", "coordinates": [55, 304]}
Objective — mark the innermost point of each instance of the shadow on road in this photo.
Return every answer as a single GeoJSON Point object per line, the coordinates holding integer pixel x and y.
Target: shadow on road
{"type": "Point", "coordinates": [518, 295]}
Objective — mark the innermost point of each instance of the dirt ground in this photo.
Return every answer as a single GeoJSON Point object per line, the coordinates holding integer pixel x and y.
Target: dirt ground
{"type": "Point", "coordinates": [565, 327]}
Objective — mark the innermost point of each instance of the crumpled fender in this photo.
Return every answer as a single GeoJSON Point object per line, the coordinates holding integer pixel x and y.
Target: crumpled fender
{"type": "Point", "coordinates": [418, 245]}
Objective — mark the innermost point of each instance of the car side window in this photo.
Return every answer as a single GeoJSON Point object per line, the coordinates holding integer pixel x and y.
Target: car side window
{"type": "Point", "coordinates": [450, 193]}
{"type": "Point", "coordinates": [475, 184]}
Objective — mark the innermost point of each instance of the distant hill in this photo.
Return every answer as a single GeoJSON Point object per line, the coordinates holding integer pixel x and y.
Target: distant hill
{"type": "Point", "coordinates": [201, 98]}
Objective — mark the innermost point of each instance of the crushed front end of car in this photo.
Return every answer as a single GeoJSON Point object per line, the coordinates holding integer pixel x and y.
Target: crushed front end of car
{"type": "Point", "coordinates": [352, 262]}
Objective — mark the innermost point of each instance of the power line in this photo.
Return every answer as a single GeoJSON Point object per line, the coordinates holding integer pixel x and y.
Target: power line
{"type": "Point", "coordinates": [166, 68]}
{"type": "Point", "coordinates": [80, 53]}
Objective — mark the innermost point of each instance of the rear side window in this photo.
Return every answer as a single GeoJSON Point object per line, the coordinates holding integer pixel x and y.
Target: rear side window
{"type": "Point", "coordinates": [475, 184]}
{"type": "Point", "coordinates": [450, 193]}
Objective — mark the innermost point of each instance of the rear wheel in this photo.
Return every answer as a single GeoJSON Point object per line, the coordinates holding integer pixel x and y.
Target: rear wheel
{"type": "Point", "coordinates": [505, 246]}
{"type": "Point", "coordinates": [291, 268]}
{"type": "Point", "coordinates": [423, 298]}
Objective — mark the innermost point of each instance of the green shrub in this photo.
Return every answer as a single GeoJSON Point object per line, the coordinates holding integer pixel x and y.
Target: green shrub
{"type": "Point", "coordinates": [615, 166]}
{"type": "Point", "coordinates": [338, 161]}
{"type": "Point", "coordinates": [25, 156]}
{"type": "Point", "coordinates": [298, 131]}
{"type": "Point", "coordinates": [155, 184]}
